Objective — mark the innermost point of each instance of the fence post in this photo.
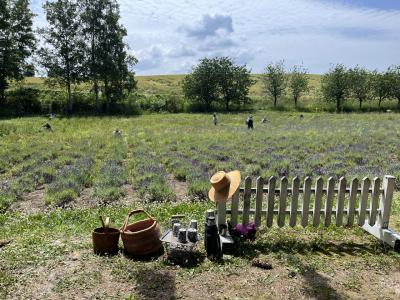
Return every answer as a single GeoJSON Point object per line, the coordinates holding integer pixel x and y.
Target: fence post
{"type": "Point", "coordinates": [386, 201]}
{"type": "Point", "coordinates": [259, 198]}
{"type": "Point", "coordinates": [352, 202]}
{"type": "Point", "coordinates": [246, 201]}
{"type": "Point", "coordinates": [340, 201]}
{"type": "Point", "coordinates": [376, 185]}
{"type": "Point", "coordinates": [318, 201]}
{"type": "Point", "coordinates": [329, 201]}
{"type": "Point", "coordinates": [364, 199]}
{"type": "Point", "coordinates": [295, 200]}
{"type": "Point", "coordinates": [282, 202]}
{"type": "Point", "coordinates": [234, 208]}
{"type": "Point", "coordinates": [306, 201]}
{"type": "Point", "coordinates": [221, 213]}
{"type": "Point", "coordinates": [271, 201]}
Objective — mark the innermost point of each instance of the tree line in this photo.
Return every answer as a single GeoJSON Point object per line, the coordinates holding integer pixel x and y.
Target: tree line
{"type": "Point", "coordinates": [221, 82]}
{"type": "Point", "coordinates": [82, 43]}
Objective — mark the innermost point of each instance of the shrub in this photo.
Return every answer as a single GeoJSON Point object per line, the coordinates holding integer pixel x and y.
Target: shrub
{"type": "Point", "coordinates": [62, 197]}
{"type": "Point", "coordinates": [6, 199]}
{"type": "Point", "coordinates": [23, 100]}
{"type": "Point", "coordinates": [162, 103]}
{"type": "Point", "coordinates": [109, 194]}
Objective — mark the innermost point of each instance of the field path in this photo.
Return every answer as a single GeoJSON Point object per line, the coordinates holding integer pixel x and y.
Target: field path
{"type": "Point", "coordinates": [179, 187]}
{"type": "Point", "coordinates": [32, 203]}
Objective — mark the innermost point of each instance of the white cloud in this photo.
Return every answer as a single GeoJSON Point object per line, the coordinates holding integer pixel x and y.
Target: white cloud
{"type": "Point", "coordinates": [169, 36]}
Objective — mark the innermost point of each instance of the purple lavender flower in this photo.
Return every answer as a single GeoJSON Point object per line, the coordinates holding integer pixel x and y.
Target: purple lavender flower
{"type": "Point", "coordinates": [245, 232]}
{"type": "Point", "coordinates": [251, 231]}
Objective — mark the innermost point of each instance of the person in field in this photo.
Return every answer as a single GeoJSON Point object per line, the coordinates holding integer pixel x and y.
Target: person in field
{"type": "Point", "coordinates": [215, 119]}
{"type": "Point", "coordinates": [47, 126]}
{"type": "Point", "coordinates": [249, 122]}
{"type": "Point", "coordinates": [117, 133]}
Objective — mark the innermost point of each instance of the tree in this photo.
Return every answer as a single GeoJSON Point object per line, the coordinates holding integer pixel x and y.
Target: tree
{"type": "Point", "coordinates": [394, 77]}
{"type": "Point", "coordinates": [336, 85]}
{"type": "Point", "coordinates": [218, 80]}
{"type": "Point", "coordinates": [234, 81]}
{"type": "Point", "coordinates": [298, 83]}
{"type": "Point", "coordinates": [360, 84]}
{"type": "Point", "coordinates": [114, 66]}
{"type": "Point", "coordinates": [274, 80]}
{"type": "Point", "coordinates": [17, 41]}
{"type": "Point", "coordinates": [63, 53]}
{"type": "Point", "coordinates": [202, 85]}
{"type": "Point", "coordinates": [381, 86]}
{"type": "Point", "coordinates": [93, 15]}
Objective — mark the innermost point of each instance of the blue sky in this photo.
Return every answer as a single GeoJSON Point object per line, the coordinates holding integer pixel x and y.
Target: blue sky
{"type": "Point", "coordinates": [170, 36]}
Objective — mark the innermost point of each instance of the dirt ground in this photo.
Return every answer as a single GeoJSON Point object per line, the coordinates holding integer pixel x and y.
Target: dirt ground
{"type": "Point", "coordinates": [34, 202]}
{"type": "Point", "coordinates": [81, 275]}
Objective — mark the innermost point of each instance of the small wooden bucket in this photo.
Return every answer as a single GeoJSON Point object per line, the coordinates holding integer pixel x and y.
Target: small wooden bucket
{"type": "Point", "coordinates": [105, 239]}
{"type": "Point", "coordinates": [141, 238]}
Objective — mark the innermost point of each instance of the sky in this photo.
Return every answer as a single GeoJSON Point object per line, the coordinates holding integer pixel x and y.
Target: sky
{"type": "Point", "coordinates": [171, 36]}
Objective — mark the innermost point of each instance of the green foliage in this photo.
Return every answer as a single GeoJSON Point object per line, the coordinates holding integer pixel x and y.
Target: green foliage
{"type": "Point", "coordinates": [218, 80]}
{"type": "Point", "coordinates": [298, 83]}
{"type": "Point", "coordinates": [162, 103]}
{"type": "Point", "coordinates": [381, 84]}
{"type": "Point", "coordinates": [84, 43]}
{"type": "Point", "coordinates": [62, 54]}
{"type": "Point", "coordinates": [109, 60]}
{"type": "Point", "coordinates": [336, 85]}
{"type": "Point", "coordinates": [275, 80]}
{"type": "Point", "coordinates": [394, 75]}
{"type": "Point", "coordinates": [62, 197]}
{"type": "Point", "coordinates": [23, 100]}
{"type": "Point", "coordinates": [361, 82]}
{"type": "Point", "coordinates": [17, 41]}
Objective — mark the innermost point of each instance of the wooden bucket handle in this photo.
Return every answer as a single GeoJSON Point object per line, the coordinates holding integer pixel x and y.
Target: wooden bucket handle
{"type": "Point", "coordinates": [134, 212]}
{"type": "Point", "coordinates": [105, 224]}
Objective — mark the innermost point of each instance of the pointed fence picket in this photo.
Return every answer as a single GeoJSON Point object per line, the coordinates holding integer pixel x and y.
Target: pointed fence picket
{"type": "Point", "coordinates": [318, 204]}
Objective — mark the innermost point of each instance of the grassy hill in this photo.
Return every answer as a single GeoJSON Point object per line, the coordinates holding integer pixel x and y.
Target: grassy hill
{"type": "Point", "coordinates": [171, 84]}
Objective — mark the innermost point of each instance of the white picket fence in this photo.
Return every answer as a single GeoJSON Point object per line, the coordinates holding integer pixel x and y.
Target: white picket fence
{"type": "Point", "coordinates": [372, 212]}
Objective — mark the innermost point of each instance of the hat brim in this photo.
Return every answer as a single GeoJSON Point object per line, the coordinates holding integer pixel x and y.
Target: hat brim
{"type": "Point", "coordinates": [227, 193]}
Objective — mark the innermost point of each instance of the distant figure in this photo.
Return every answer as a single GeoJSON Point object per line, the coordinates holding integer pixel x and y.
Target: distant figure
{"type": "Point", "coordinates": [47, 126]}
{"type": "Point", "coordinates": [117, 132]}
{"type": "Point", "coordinates": [52, 116]}
{"type": "Point", "coordinates": [301, 117]}
{"type": "Point", "coordinates": [249, 122]}
{"type": "Point", "coordinates": [388, 111]}
{"type": "Point", "coordinates": [264, 120]}
{"type": "Point", "coordinates": [215, 119]}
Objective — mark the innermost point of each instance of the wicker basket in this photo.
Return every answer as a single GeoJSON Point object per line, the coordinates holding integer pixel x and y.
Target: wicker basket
{"type": "Point", "coordinates": [141, 238]}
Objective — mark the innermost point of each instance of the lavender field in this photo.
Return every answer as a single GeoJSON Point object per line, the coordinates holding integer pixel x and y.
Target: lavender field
{"type": "Point", "coordinates": [155, 150]}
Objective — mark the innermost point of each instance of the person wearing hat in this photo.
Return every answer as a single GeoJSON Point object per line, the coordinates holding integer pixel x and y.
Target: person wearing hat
{"type": "Point", "coordinates": [224, 185]}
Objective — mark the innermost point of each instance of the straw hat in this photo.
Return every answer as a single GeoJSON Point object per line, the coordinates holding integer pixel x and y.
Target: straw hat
{"type": "Point", "coordinates": [224, 185]}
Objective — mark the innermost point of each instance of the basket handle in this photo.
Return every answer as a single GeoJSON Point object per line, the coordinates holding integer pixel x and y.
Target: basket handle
{"type": "Point", "coordinates": [134, 212]}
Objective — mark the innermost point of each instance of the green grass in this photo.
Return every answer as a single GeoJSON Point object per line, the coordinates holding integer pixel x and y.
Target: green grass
{"type": "Point", "coordinates": [49, 240]}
